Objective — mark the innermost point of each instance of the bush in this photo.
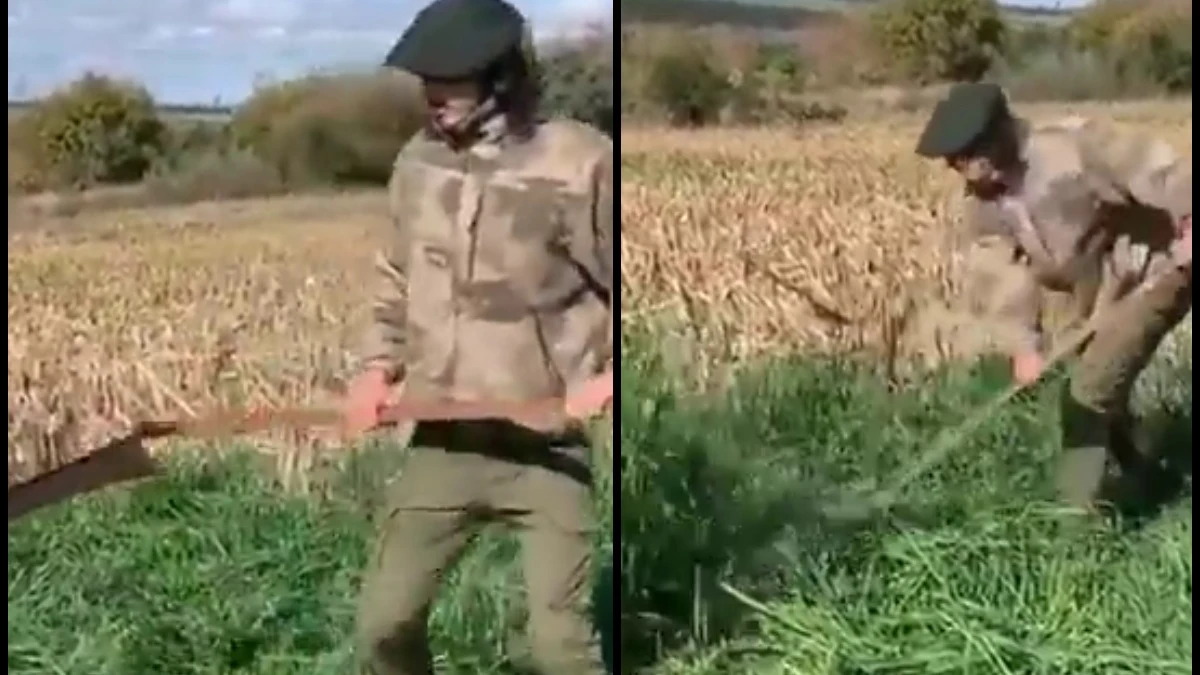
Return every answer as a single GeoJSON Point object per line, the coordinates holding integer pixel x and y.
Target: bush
{"type": "Point", "coordinates": [1092, 29]}
{"type": "Point", "coordinates": [929, 40]}
{"type": "Point", "coordinates": [1114, 49]}
{"type": "Point", "coordinates": [1157, 42]}
{"type": "Point", "coordinates": [212, 173]}
{"type": "Point", "coordinates": [640, 47]}
{"type": "Point", "coordinates": [689, 86]}
{"type": "Point", "coordinates": [1146, 41]}
{"type": "Point", "coordinates": [326, 129]}
{"type": "Point", "coordinates": [1069, 75]}
{"type": "Point", "coordinates": [1029, 45]}
{"type": "Point", "coordinates": [189, 137]}
{"type": "Point", "coordinates": [840, 50]}
{"type": "Point", "coordinates": [768, 90]}
{"type": "Point", "coordinates": [347, 128]}
{"type": "Point", "coordinates": [94, 130]}
{"type": "Point", "coordinates": [253, 119]}
{"type": "Point", "coordinates": [577, 82]}
{"type": "Point", "coordinates": [24, 174]}
{"type": "Point", "coordinates": [323, 129]}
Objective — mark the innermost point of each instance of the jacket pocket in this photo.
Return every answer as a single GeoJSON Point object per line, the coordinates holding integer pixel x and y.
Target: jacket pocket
{"type": "Point", "coordinates": [538, 256]}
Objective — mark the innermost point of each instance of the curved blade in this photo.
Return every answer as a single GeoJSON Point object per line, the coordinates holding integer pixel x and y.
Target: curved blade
{"type": "Point", "coordinates": [122, 460]}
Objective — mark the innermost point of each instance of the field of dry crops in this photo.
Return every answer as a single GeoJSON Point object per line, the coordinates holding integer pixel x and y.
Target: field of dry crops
{"type": "Point", "coordinates": [814, 237]}
{"type": "Point", "coordinates": [118, 316]}
{"type": "Point", "coordinates": [756, 239]}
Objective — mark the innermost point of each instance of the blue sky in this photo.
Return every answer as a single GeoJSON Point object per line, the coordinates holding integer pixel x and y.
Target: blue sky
{"type": "Point", "coordinates": [194, 51]}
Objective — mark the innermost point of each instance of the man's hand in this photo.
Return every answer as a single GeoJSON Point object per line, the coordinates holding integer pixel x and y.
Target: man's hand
{"type": "Point", "coordinates": [1027, 367]}
{"type": "Point", "coordinates": [1181, 248]}
{"type": "Point", "coordinates": [365, 399]}
{"type": "Point", "coordinates": [591, 397]}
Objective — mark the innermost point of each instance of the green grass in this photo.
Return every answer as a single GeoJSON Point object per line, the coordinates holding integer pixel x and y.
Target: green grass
{"type": "Point", "coordinates": [216, 570]}
{"type": "Point", "coordinates": [727, 563]}
{"type": "Point", "coordinates": [729, 566]}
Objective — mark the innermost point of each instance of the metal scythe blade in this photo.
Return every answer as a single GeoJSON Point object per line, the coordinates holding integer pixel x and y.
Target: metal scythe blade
{"type": "Point", "coordinates": [127, 459]}
{"type": "Point", "coordinates": [861, 505]}
{"type": "Point", "coordinates": [121, 460]}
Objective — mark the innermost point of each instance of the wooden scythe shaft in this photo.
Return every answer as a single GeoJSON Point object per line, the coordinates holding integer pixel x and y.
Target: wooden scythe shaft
{"type": "Point", "coordinates": [127, 459]}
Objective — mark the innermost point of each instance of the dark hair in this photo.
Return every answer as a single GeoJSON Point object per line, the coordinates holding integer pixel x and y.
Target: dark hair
{"type": "Point", "coordinates": [513, 81]}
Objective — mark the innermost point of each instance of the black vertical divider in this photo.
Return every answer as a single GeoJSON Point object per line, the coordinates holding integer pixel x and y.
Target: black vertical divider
{"type": "Point", "coordinates": [612, 649]}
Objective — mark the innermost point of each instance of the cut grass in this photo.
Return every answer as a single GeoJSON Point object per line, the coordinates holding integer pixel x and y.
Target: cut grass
{"type": "Point", "coordinates": [728, 565]}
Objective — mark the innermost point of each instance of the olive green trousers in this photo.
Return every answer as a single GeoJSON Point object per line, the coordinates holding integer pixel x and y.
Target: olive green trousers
{"type": "Point", "coordinates": [1097, 424]}
{"type": "Point", "coordinates": [460, 477]}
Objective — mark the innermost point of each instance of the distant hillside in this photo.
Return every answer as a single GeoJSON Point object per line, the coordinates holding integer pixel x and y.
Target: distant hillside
{"type": "Point", "coordinates": [769, 14]}
{"type": "Point", "coordinates": [709, 12]}
{"type": "Point", "coordinates": [201, 112]}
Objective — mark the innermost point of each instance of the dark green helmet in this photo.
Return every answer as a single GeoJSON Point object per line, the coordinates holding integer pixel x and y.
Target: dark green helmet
{"type": "Point", "coordinates": [962, 119]}
{"type": "Point", "coordinates": [458, 39]}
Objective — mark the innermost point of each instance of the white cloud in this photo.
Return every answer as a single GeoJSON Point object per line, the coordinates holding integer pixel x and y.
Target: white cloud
{"type": "Point", "coordinates": [569, 19]}
{"type": "Point", "coordinates": [188, 50]}
{"type": "Point", "coordinates": [163, 33]}
{"type": "Point", "coordinates": [587, 11]}
{"type": "Point", "coordinates": [257, 12]}
{"type": "Point", "coordinates": [94, 22]}
{"type": "Point", "coordinates": [338, 35]}
{"type": "Point", "coordinates": [271, 32]}
{"type": "Point", "coordinates": [18, 13]}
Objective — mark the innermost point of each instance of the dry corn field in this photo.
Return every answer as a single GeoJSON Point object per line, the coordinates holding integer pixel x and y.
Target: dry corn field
{"type": "Point", "coordinates": [120, 316]}
{"type": "Point", "coordinates": [818, 237]}
{"type": "Point", "coordinates": [756, 239]}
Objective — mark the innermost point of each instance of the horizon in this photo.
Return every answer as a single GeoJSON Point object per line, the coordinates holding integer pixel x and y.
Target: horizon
{"type": "Point", "coordinates": [213, 52]}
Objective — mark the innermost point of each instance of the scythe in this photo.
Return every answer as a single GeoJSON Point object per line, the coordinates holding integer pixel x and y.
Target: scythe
{"type": "Point", "coordinates": [126, 458]}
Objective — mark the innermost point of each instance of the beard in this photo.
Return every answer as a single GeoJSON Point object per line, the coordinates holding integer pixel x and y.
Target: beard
{"type": "Point", "coordinates": [986, 190]}
{"type": "Point", "coordinates": [460, 125]}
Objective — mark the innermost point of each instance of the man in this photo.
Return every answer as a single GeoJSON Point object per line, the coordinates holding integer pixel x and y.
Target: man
{"type": "Point", "coordinates": [1102, 217]}
{"type": "Point", "coordinates": [497, 285]}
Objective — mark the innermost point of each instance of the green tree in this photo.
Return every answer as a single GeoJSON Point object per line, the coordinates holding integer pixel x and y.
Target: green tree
{"type": "Point", "coordinates": [929, 40]}
{"type": "Point", "coordinates": [577, 82]}
{"type": "Point", "coordinates": [1146, 41]}
{"type": "Point", "coordinates": [336, 128]}
{"type": "Point", "coordinates": [1094, 28]}
{"type": "Point", "coordinates": [1156, 43]}
{"type": "Point", "coordinates": [94, 130]}
{"type": "Point", "coordinates": [688, 84]}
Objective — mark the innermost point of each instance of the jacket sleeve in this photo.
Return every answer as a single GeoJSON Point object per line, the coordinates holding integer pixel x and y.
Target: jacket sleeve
{"type": "Point", "coordinates": [592, 245]}
{"type": "Point", "coordinates": [1004, 290]}
{"type": "Point", "coordinates": [1148, 170]}
{"type": "Point", "coordinates": [385, 336]}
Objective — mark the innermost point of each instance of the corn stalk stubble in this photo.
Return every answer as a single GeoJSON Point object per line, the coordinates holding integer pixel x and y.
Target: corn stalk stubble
{"type": "Point", "coordinates": [823, 238]}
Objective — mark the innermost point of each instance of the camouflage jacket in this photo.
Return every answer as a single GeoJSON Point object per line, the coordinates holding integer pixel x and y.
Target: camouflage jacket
{"type": "Point", "coordinates": [498, 280]}
{"type": "Point", "coordinates": [1092, 216]}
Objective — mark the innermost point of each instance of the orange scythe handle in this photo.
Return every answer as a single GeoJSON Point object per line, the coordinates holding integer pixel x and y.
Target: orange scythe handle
{"type": "Point", "coordinates": [126, 458]}
{"type": "Point", "coordinates": [235, 422]}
